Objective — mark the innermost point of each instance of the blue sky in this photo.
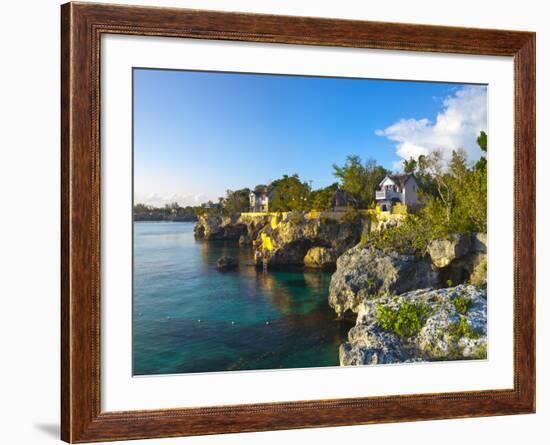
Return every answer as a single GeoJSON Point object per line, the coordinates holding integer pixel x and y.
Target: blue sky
{"type": "Point", "coordinates": [197, 134]}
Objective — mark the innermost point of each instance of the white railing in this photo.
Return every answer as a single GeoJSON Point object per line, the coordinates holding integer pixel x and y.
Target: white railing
{"type": "Point", "coordinates": [387, 194]}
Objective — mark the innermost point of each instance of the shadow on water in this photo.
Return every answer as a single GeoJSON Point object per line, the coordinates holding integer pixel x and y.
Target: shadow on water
{"type": "Point", "coordinates": [188, 317]}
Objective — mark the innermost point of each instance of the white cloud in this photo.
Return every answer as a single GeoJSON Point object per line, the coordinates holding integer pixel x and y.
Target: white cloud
{"type": "Point", "coordinates": [158, 200]}
{"type": "Point", "coordinates": [463, 116]}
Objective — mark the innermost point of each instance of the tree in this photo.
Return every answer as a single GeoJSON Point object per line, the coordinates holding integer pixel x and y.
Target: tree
{"type": "Point", "coordinates": [409, 166]}
{"type": "Point", "coordinates": [458, 165]}
{"type": "Point", "coordinates": [459, 203]}
{"type": "Point", "coordinates": [360, 180]}
{"type": "Point", "coordinates": [289, 193]}
{"type": "Point", "coordinates": [142, 208]}
{"type": "Point", "coordinates": [435, 166]}
{"type": "Point", "coordinates": [236, 201]}
{"type": "Point", "coordinates": [321, 199]}
{"type": "Point", "coordinates": [482, 141]}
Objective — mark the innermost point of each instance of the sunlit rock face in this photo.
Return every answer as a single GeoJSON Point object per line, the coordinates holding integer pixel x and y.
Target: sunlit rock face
{"type": "Point", "coordinates": [364, 272]}
{"type": "Point", "coordinates": [444, 251]}
{"type": "Point", "coordinates": [320, 258]}
{"type": "Point", "coordinates": [217, 227]}
{"type": "Point", "coordinates": [297, 240]}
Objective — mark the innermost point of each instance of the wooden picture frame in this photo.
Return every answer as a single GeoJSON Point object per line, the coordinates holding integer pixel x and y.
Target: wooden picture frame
{"type": "Point", "coordinates": [82, 25]}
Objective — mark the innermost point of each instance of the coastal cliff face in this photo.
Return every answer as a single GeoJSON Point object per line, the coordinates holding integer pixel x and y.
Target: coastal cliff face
{"type": "Point", "coordinates": [292, 239]}
{"type": "Point", "coordinates": [297, 240]}
{"type": "Point", "coordinates": [217, 227]}
{"type": "Point", "coordinates": [421, 325]}
{"type": "Point", "coordinates": [229, 227]}
{"type": "Point", "coordinates": [364, 272]}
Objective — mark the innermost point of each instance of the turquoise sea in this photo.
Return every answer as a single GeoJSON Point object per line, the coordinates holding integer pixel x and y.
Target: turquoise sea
{"type": "Point", "coordinates": [188, 317]}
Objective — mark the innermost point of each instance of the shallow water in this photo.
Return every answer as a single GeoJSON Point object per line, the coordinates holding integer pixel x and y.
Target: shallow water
{"type": "Point", "coordinates": [249, 319]}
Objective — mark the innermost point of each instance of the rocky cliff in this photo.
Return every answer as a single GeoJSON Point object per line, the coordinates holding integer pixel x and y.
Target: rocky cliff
{"type": "Point", "coordinates": [313, 242]}
{"type": "Point", "coordinates": [421, 325]}
{"type": "Point", "coordinates": [285, 239]}
{"type": "Point", "coordinates": [229, 227]}
{"type": "Point", "coordinates": [364, 272]}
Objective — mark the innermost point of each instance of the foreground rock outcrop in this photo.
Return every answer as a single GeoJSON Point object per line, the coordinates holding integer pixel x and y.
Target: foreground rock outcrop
{"type": "Point", "coordinates": [364, 272]}
{"type": "Point", "coordinates": [422, 325]}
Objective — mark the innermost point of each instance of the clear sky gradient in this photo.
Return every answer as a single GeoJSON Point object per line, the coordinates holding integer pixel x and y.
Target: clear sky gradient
{"type": "Point", "coordinates": [197, 134]}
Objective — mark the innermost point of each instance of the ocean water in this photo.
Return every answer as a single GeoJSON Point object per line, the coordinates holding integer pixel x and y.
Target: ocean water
{"type": "Point", "coordinates": [188, 317]}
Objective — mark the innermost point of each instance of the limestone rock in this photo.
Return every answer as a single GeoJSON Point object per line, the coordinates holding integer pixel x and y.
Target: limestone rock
{"type": "Point", "coordinates": [320, 257]}
{"type": "Point", "coordinates": [446, 332]}
{"type": "Point", "coordinates": [226, 263]}
{"type": "Point", "coordinates": [287, 241]}
{"type": "Point", "coordinates": [479, 242]}
{"type": "Point", "coordinates": [218, 227]}
{"type": "Point", "coordinates": [444, 251]}
{"type": "Point", "coordinates": [364, 272]}
{"type": "Point", "coordinates": [229, 227]}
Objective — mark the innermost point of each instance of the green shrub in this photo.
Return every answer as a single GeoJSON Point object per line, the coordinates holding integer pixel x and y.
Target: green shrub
{"type": "Point", "coordinates": [405, 321]}
{"type": "Point", "coordinates": [412, 236]}
{"type": "Point", "coordinates": [461, 329]}
{"type": "Point", "coordinates": [462, 304]}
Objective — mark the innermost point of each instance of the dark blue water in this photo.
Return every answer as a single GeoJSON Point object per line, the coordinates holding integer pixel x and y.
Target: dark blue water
{"type": "Point", "coordinates": [249, 319]}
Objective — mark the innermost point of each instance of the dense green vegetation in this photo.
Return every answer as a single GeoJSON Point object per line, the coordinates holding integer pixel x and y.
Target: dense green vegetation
{"type": "Point", "coordinates": [462, 304]}
{"type": "Point", "coordinates": [406, 321]}
{"type": "Point", "coordinates": [360, 179]}
{"type": "Point", "coordinates": [236, 201]}
{"type": "Point", "coordinates": [290, 194]}
{"type": "Point", "coordinates": [455, 196]}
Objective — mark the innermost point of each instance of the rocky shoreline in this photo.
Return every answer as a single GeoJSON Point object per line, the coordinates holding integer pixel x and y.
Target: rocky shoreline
{"type": "Point", "coordinates": [290, 239]}
{"type": "Point", "coordinates": [409, 306]}
{"type": "Point", "coordinates": [439, 324]}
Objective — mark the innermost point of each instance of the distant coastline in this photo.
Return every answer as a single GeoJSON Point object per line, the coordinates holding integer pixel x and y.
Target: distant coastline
{"type": "Point", "coordinates": [170, 212]}
{"type": "Point", "coordinates": [160, 217]}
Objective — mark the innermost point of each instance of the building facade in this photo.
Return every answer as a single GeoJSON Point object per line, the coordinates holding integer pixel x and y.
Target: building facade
{"type": "Point", "coordinates": [259, 199]}
{"type": "Point", "coordinates": [397, 189]}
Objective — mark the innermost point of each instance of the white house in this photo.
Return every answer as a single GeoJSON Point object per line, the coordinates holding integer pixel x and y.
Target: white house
{"type": "Point", "coordinates": [259, 199]}
{"type": "Point", "coordinates": [397, 189]}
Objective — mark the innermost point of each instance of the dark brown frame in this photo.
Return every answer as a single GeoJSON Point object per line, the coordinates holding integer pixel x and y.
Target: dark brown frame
{"type": "Point", "coordinates": [82, 25]}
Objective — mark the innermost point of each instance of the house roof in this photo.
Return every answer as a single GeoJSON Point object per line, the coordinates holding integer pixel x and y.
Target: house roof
{"type": "Point", "coordinates": [401, 179]}
{"type": "Point", "coordinates": [260, 191]}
